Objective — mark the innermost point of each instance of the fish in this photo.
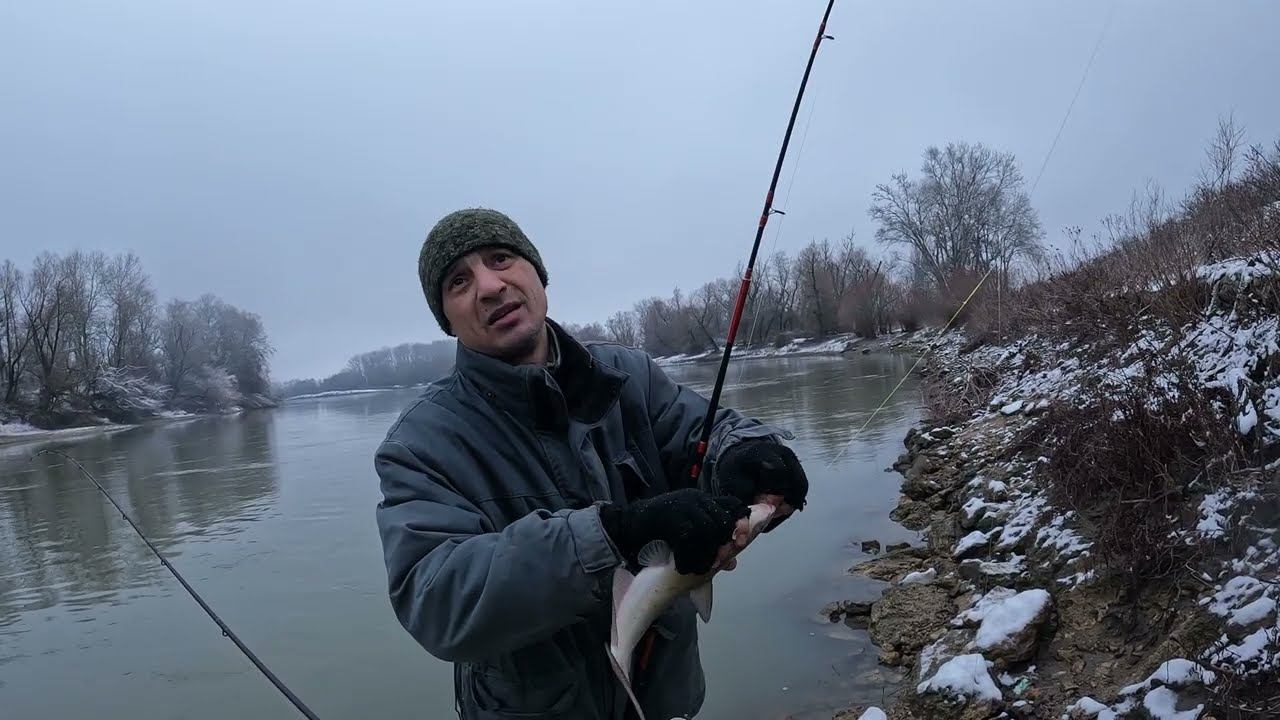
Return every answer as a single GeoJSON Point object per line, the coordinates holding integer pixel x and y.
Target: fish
{"type": "Point", "coordinates": [639, 599]}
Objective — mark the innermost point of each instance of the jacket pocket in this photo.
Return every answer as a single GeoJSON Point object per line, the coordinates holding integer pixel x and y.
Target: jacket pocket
{"type": "Point", "coordinates": [494, 696]}
{"type": "Point", "coordinates": [637, 480]}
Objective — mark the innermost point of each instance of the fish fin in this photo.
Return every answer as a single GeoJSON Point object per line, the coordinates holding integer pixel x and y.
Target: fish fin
{"type": "Point", "coordinates": [701, 597]}
{"type": "Point", "coordinates": [655, 552]}
{"type": "Point", "coordinates": [625, 679]}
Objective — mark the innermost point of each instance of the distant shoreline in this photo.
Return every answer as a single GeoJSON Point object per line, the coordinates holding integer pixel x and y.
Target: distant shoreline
{"type": "Point", "coordinates": [835, 345]}
{"type": "Point", "coordinates": [23, 433]}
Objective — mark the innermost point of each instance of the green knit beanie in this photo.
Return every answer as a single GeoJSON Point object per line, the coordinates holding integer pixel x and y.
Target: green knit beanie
{"type": "Point", "coordinates": [459, 233]}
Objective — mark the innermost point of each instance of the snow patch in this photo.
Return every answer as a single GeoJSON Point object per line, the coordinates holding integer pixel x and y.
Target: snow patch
{"type": "Point", "coordinates": [1162, 703]}
{"type": "Point", "coordinates": [1003, 614]}
{"type": "Point", "coordinates": [923, 577]}
{"type": "Point", "coordinates": [963, 676]}
{"type": "Point", "coordinates": [1212, 522]}
{"type": "Point", "coordinates": [977, 538]}
{"type": "Point", "coordinates": [1177, 672]}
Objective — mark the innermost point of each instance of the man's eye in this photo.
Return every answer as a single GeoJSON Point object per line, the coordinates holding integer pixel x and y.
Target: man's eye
{"type": "Point", "coordinates": [501, 258]}
{"type": "Point", "coordinates": [456, 281]}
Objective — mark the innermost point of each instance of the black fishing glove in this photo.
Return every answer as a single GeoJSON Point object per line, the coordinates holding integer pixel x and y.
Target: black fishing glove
{"type": "Point", "coordinates": [693, 523]}
{"type": "Point", "coordinates": [754, 467]}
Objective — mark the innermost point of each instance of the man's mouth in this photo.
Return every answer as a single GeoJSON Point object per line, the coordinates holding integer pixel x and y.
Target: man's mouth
{"type": "Point", "coordinates": [504, 311]}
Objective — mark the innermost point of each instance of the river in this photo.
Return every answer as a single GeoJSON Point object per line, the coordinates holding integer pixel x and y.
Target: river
{"type": "Point", "coordinates": [269, 516]}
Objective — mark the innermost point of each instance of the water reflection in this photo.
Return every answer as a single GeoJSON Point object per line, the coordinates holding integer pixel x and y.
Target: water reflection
{"type": "Point", "coordinates": [66, 545]}
{"type": "Point", "coordinates": [824, 399]}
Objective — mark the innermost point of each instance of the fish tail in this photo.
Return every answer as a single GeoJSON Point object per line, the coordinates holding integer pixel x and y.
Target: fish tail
{"type": "Point", "coordinates": [624, 679]}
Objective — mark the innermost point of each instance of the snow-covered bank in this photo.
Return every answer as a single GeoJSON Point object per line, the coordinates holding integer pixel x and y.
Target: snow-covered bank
{"type": "Point", "coordinates": [337, 393]}
{"type": "Point", "coordinates": [19, 432]}
{"type": "Point", "coordinates": [1103, 526]}
{"type": "Point", "coordinates": [834, 345]}
{"type": "Point", "coordinates": [12, 433]}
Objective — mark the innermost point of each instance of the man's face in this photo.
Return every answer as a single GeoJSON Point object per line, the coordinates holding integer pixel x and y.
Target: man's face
{"type": "Point", "coordinates": [495, 303]}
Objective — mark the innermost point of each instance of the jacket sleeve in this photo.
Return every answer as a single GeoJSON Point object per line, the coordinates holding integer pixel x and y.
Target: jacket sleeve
{"type": "Point", "coordinates": [676, 414]}
{"type": "Point", "coordinates": [466, 591]}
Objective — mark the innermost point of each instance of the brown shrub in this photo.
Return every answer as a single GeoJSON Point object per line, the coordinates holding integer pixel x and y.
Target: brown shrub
{"type": "Point", "coordinates": [1252, 695]}
{"type": "Point", "coordinates": [1129, 459]}
{"type": "Point", "coordinates": [912, 311]}
{"type": "Point", "coordinates": [948, 401]}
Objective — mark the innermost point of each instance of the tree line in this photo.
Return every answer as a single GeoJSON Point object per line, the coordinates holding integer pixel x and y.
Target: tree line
{"type": "Point", "coordinates": [83, 336]}
{"type": "Point", "coordinates": [404, 365]}
{"type": "Point", "coordinates": [966, 213]}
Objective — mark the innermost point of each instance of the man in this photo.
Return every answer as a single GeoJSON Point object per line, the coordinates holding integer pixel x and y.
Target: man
{"type": "Point", "coordinates": [514, 487]}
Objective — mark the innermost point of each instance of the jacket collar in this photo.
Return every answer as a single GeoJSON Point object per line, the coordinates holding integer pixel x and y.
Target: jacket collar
{"type": "Point", "coordinates": [576, 385]}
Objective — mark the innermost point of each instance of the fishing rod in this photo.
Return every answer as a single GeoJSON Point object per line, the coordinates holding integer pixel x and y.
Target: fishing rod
{"type": "Point", "coordinates": [745, 287]}
{"type": "Point", "coordinates": [226, 631]}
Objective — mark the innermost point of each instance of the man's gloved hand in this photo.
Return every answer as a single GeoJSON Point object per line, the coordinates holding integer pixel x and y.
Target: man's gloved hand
{"type": "Point", "coordinates": [692, 522]}
{"type": "Point", "coordinates": [763, 467]}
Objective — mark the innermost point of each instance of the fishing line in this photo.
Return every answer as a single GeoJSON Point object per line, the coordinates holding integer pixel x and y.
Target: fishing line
{"type": "Point", "coordinates": [1052, 146]}
{"type": "Point", "coordinates": [226, 631]}
{"type": "Point", "coordinates": [755, 298]}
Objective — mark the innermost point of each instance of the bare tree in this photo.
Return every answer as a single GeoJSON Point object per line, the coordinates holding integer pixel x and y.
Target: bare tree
{"type": "Point", "coordinates": [130, 314]}
{"type": "Point", "coordinates": [588, 332]}
{"type": "Point", "coordinates": [85, 275]}
{"type": "Point", "coordinates": [815, 265]}
{"type": "Point", "coordinates": [1223, 154]}
{"type": "Point", "coordinates": [967, 213]}
{"type": "Point", "coordinates": [14, 335]}
{"type": "Point", "coordinates": [183, 348]}
{"type": "Point", "coordinates": [623, 328]}
{"type": "Point", "coordinates": [47, 308]}
{"type": "Point", "coordinates": [707, 311]}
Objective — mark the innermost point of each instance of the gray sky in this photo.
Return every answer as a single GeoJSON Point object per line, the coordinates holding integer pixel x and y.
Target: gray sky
{"type": "Point", "coordinates": [290, 156]}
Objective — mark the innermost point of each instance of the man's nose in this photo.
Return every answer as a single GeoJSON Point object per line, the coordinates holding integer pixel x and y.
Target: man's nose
{"type": "Point", "coordinates": [489, 283]}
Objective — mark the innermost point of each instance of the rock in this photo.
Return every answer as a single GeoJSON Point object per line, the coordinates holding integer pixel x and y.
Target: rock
{"type": "Point", "coordinates": [888, 567]}
{"type": "Point", "coordinates": [907, 617]}
{"type": "Point", "coordinates": [892, 658]}
{"type": "Point", "coordinates": [854, 613]}
{"type": "Point", "coordinates": [950, 644]}
{"type": "Point", "coordinates": [972, 511]}
{"type": "Point", "coordinates": [943, 433]}
{"type": "Point", "coordinates": [919, 486]}
{"type": "Point", "coordinates": [870, 546]}
{"type": "Point", "coordinates": [972, 545]}
{"type": "Point", "coordinates": [912, 514]}
{"type": "Point", "coordinates": [1009, 623]}
{"type": "Point", "coordinates": [959, 688]}
{"type": "Point", "coordinates": [1038, 408]}
{"type": "Point", "coordinates": [941, 534]}
{"type": "Point", "coordinates": [898, 547]}
{"type": "Point", "coordinates": [991, 574]}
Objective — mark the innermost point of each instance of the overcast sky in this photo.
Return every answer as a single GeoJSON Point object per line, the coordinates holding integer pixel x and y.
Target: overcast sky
{"type": "Point", "coordinates": [290, 156]}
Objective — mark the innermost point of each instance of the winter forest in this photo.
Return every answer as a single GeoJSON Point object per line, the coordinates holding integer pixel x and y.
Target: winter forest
{"type": "Point", "coordinates": [84, 340]}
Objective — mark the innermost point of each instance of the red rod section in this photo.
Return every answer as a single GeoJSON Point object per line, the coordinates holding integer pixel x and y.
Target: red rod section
{"type": "Point", "coordinates": [709, 421]}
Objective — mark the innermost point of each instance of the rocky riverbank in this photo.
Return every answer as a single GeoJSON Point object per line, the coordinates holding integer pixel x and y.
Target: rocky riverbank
{"type": "Point", "coordinates": [1101, 522]}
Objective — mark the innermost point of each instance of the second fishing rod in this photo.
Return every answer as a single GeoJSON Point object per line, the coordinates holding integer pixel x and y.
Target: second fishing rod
{"type": "Point", "coordinates": [745, 287]}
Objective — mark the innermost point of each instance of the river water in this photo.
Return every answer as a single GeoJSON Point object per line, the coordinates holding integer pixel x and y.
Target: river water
{"type": "Point", "coordinates": [269, 516]}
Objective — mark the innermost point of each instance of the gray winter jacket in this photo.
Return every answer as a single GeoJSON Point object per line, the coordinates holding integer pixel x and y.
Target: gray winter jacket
{"type": "Point", "coordinates": [496, 559]}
